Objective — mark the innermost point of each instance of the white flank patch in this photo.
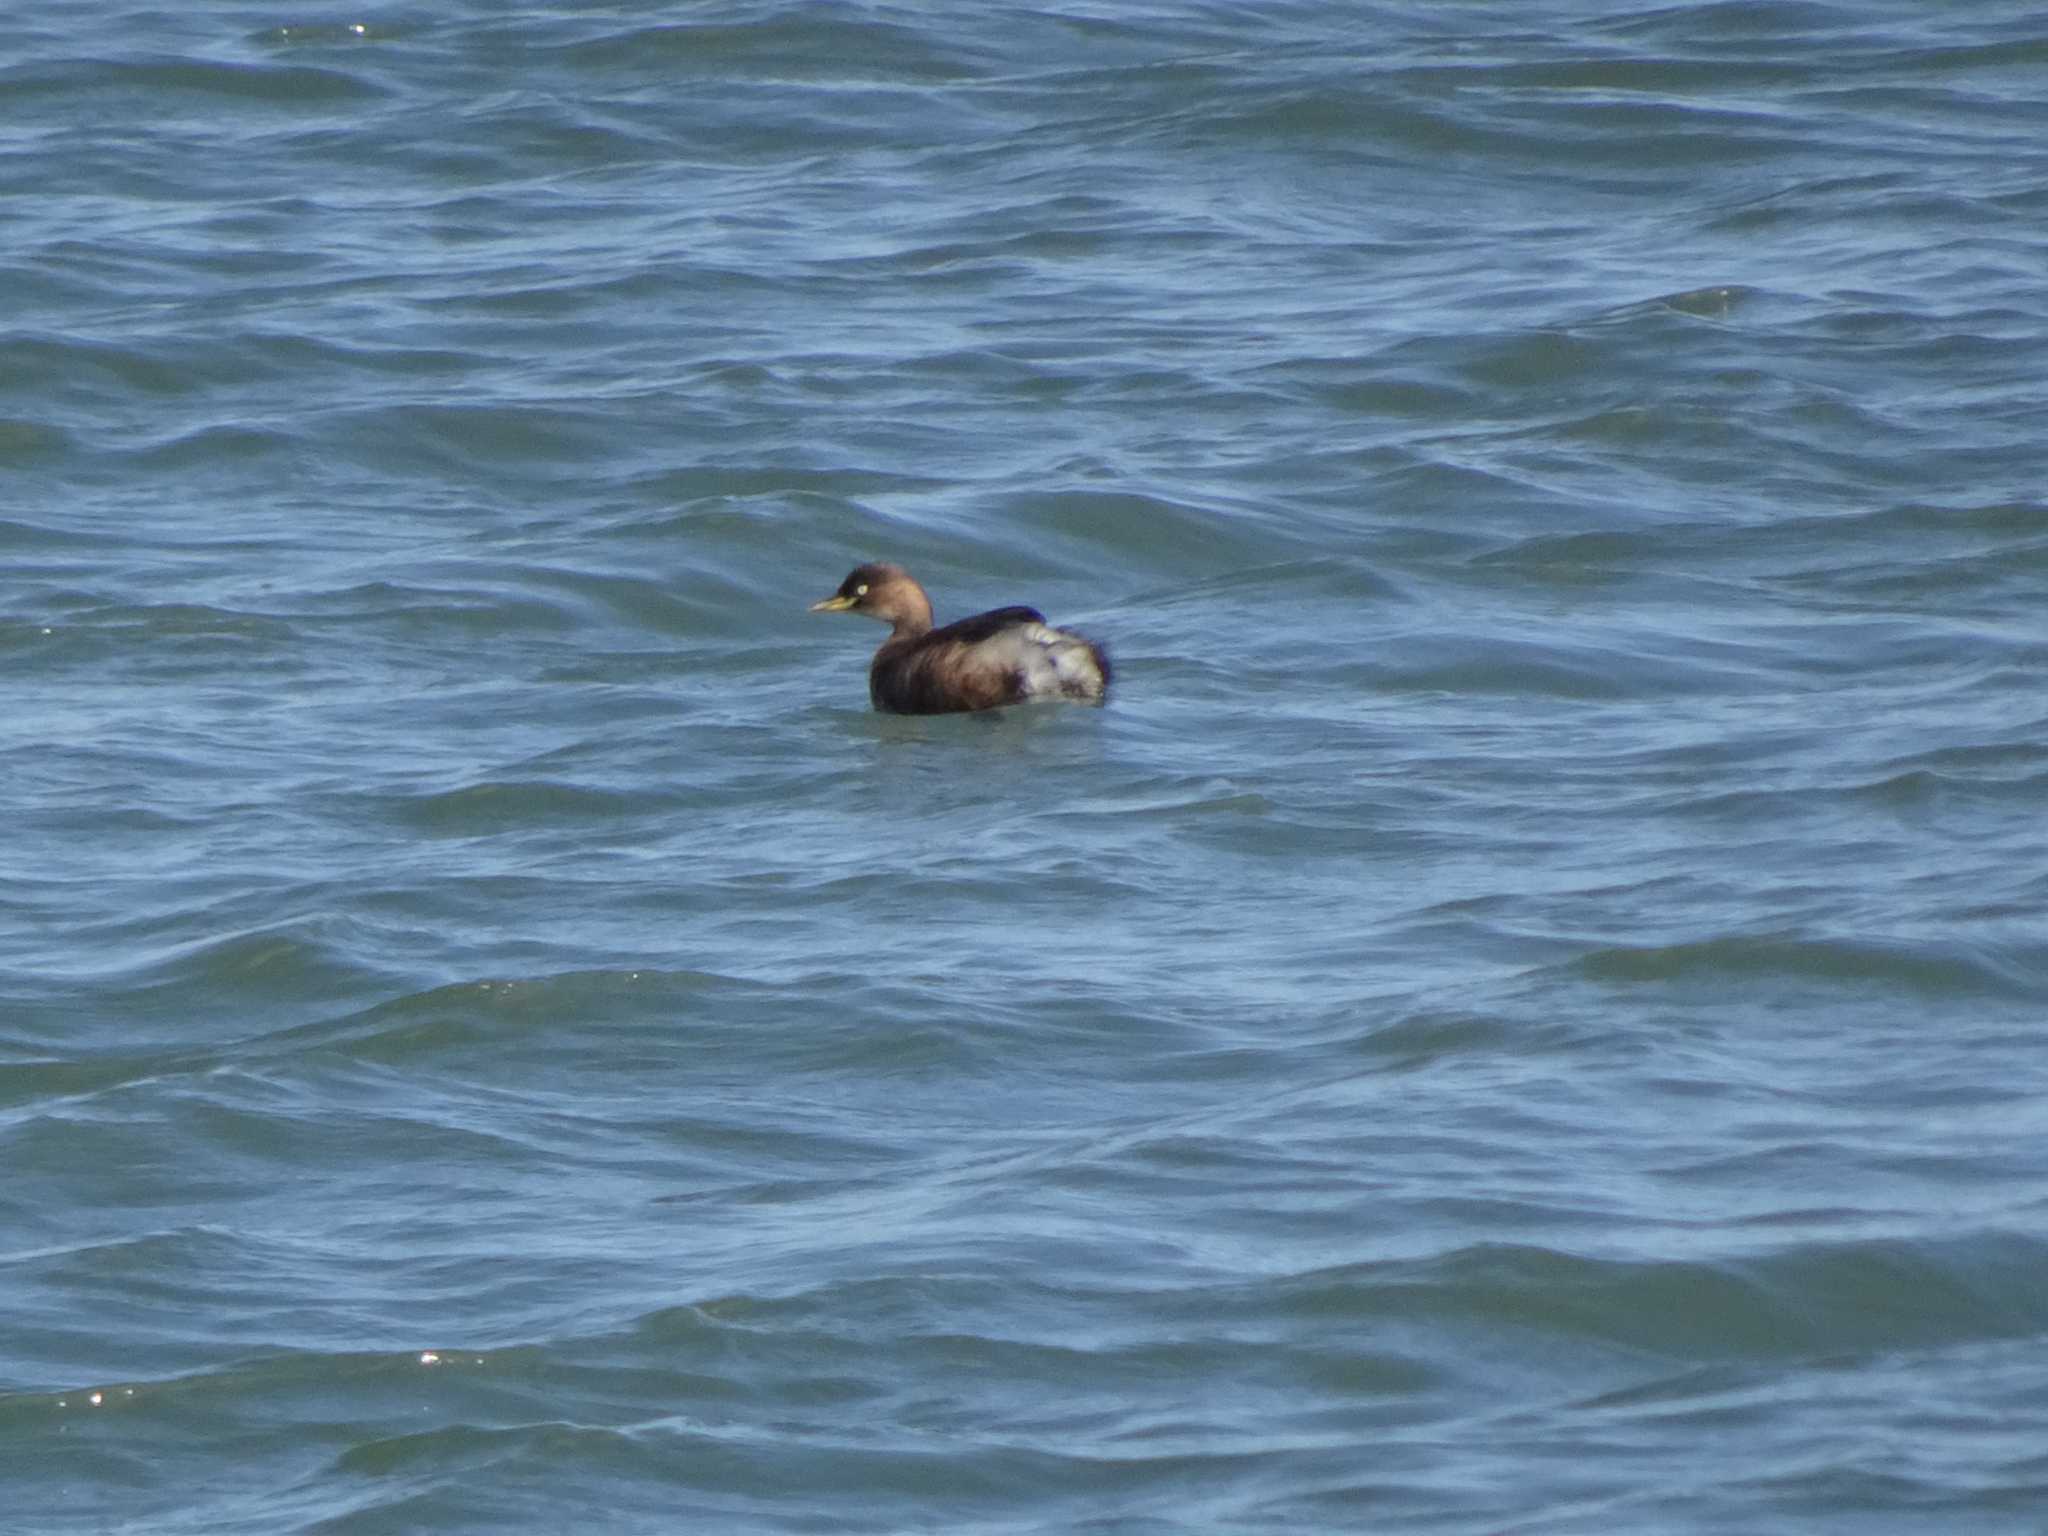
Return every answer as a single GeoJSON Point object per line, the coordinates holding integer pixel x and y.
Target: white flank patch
{"type": "Point", "coordinates": [1057, 664]}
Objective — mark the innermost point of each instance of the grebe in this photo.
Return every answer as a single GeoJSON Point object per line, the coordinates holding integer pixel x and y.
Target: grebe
{"type": "Point", "coordinates": [1005, 656]}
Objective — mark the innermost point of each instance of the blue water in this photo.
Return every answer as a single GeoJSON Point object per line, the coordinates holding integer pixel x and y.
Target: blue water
{"type": "Point", "coordinates": [1524, 1013]}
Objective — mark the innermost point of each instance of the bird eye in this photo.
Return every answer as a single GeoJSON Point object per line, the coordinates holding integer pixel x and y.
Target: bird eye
{"type": "Point", "coordinates": [861, 590]}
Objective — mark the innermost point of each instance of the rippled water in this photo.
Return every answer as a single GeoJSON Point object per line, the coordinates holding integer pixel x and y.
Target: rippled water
{"type": "Point", "coordinates": [1524, 1013]}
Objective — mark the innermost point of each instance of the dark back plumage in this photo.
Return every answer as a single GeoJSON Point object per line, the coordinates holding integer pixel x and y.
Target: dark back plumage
{"type": "Point", "coordinates": [1005, 656]}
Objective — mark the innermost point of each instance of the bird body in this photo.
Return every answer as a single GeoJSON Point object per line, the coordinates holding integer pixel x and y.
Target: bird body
{"type": "Point", "coordinates": [1005, 656]}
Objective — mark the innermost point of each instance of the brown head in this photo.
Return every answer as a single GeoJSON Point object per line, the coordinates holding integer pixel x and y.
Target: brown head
{"type": "Point", "coordinates": [885, 592]}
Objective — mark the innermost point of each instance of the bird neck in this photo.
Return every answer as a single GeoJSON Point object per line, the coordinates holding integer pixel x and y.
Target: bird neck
{"type": "Point", "coordinates": [912, 613]}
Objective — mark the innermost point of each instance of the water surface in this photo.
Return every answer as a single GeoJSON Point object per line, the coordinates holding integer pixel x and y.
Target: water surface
{"type": "Point", "coordinates": [1524, 1013]}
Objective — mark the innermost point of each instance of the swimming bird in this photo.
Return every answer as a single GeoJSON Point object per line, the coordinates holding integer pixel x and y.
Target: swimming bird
{"type": "Point", "coordinates": [1005, 656]}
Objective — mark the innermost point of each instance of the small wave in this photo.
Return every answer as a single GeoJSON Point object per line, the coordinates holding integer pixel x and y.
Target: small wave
{"type": "Point", "coordinates": [257, 1379]}
{"type": "Point", "coordinates": [41, 362]}
{"type": "Point", "coordinates": [757, 482]}
{"type": "Point", "coordinates": [488, 437]}
{"type": "Point", "coordinates": [1805, 1300]}
{"type": "Point", "coordinates": [289, 959]}
{"type": "Point", "coordinates": [429, 1021]}
{"type": "Point", "coordinates": [1921, 967]}
{"type": "Point", "coordinates": [215, 447]}
{"type": "Point", "coordinates": [25, 442]}
{"type": "Point", "coordinates": [1716, 303]}
{"type": "Point", "coordinates": [487, 603]}
{"type": "Point", "coordinates": [40, 1082]}
{"type": "Point", "coordinates": [464, 1447]}
{"type": "Point", "coordinates": [1174, 535]}
{"type": "Point", "coordinates": [150, 622]}
{"type": "Point", "coordinates": [1427, 1038]}
{"type": "Point", "coordinates": [500, 805]}
{"type": "Point", "coordinates": [295, 87]}
{"type": "Point", "coordinates": [1455, 665]}
{"type": "Point", "coordinates": [20, 537]}
{"type": "Point", "coordinates": [811, 46]}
